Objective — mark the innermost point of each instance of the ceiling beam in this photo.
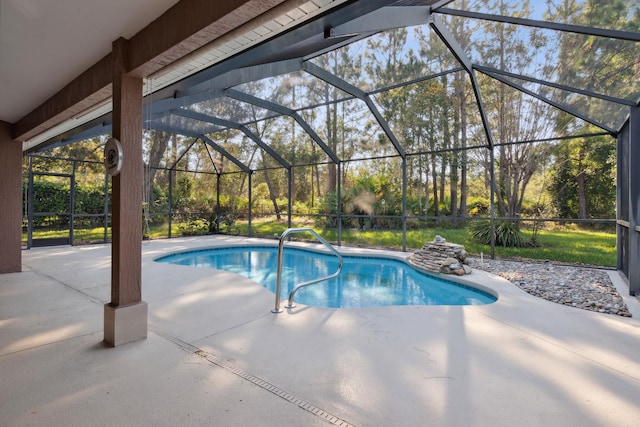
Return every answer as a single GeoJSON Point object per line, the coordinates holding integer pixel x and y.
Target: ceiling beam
{"type": "Point", "coordinates": [437, 25]}
{"type": "Point", "coordinates": [448, 39]}
{"type": "Point", "coordinates": [181, 30]}
{"type": "Point", "coordinates": [347, 87]}
{"type": "Point", "coordinates": [205, 139]}
{"type": "Point", "coordinates": [96, 127]}
{"type": "Point", "coordinates": [382, 19]}
{"type": "Point", "coordinates": [555, 104]}
{"type": "Point", "coordinates": [565, 88]}
{"type": "Point", "coordinates": [243, 75]}
{"type": "Point", "coordinates": [229, 124]}
{"type": "Point", "coordinates": [272, 106]}
{"type": "Point", "coordinates": [225, 153]}
{"type": "Point", "coordinates": [214, 88]}
{"type": "Point", "coordinates": [184, 153]}
{"type": "Point", "coordinates": [441, 3]}
{"type": "Point", "coordinates": [186, 27]}
{"type": "Point", "coordinates": [557, 26]}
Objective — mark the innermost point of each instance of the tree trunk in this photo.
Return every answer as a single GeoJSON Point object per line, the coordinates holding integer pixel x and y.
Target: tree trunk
{"type": "Point", "coordinates": [419, 186]}
{"type": "Point", "coordinates": [272, 196]}
{"type": "Point", "coordinates": [453, 184]}
{"type": "Point", "coordinates": [244, 176]}
{"type": "Point", "coordinates": [582, 192]}
{"type": "Point", "coordinates": [463, 143]}
{"type": "Point", "coordinates": [449, 158]}
{"type": "Point", "coordinates": [426, 189]}
{"type": "Point", "coordinates": [501, 183]}
{"type": "Point", "coordinates": [434, 179]}
{"type": "Point", "coordinates": [158, 146]}
{"type": "Point", "coordinates": [312, 189]}
{"type": "Point", "coordinates": [443, 175]}
{"type": "Point", "coordinates": [318, 187]}
{"type": "Point", "coordinates": [294, 161]}
{"type": "Point", "coordinates": [173, 158]}
{"type": "Point", "coordinates": [331, 133]}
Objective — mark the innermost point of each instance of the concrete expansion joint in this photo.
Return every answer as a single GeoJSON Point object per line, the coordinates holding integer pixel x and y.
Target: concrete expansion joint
{"type": "Point", "coordinates": [68, 286]}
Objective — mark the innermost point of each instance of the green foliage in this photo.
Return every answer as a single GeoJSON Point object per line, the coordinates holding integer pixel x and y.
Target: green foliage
{"type": "Point", "coordinates": [584, 172]}
{"type": "Point", "coordinates": [507, 234]}
{"type": "Point", "coordinates": [328, 206]}
{"type": "Point", "coordinates": [195, 227]}
{"type": "Point", "coordinates": [89, 199]}
{"type": "Point", "coordinates": [567, 244]}
{"type": "Point", "coordinates": [233, 203]}
{"type": "Point", "coordinates": [52, 195]}
{"type": "Point", "coordinates": [583, 178]}
{"type": "Point", "coordinates": [229, 223]}
{"type": "Point", "coordinates": [300, 208]}
{"type": "Point", "coordinates": [477, 206]}
{"type": "Point", "coordinates": [159, 200]}
{"type": "Point", "coordinates": [182, 192]}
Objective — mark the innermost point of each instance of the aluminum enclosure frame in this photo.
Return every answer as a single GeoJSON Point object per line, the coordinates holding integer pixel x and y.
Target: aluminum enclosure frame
{"type": "Point", "coordinates": [345, 25]}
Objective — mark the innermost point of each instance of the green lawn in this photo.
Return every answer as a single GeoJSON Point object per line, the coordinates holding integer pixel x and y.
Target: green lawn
{"type": "Point", "coordinates": [97, 234]}
{"type": "Point", "coordinates": [572, 246]}
{"type": "Point", "coordinates": [567, 245]}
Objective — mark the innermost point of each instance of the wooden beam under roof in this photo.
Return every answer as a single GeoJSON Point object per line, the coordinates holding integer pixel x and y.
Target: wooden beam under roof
{"type": "Point", "coordinates": [184, 28]}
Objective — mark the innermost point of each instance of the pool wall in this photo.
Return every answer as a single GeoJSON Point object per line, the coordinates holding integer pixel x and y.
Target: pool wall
{"type": "Point", "coordinates": [347, 251]}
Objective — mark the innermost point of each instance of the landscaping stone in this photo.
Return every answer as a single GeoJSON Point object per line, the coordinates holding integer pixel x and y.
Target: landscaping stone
{"type": "Point", "coordinates": [442, 257]}
{"type": "Point", "coordinates": [581, 287]}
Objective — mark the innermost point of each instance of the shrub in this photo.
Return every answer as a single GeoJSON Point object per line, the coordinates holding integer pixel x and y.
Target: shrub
{"type": "Point", "coordinates": [508, 234]}
{"type": "Point", "coordinates": [195, 227]}
{"type": "Point", "coordinates": [478, 207]}
{"type": "Point", "coordinates": [300, 208]}
{"type": "Point", "coordinates": [227, 222]}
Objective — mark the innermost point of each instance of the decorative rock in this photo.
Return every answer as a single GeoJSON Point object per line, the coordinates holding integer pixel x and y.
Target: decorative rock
{"type": "Point", "coordinates": [439, 239]}
{"type": "Point", "coordinates": [580, 287]}
{"type": "Point", "coordinates": [441, 257]}
{"type": "Point", "coordinates": [449, 261]}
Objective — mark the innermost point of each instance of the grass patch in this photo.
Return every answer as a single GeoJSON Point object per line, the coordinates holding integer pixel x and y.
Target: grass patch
{"type": "Point", "coordinates": [569, 245]}
{"type": "Point", "coordinates": [565, 245]}
{"type": "Point", "coordinates": [79, 235]}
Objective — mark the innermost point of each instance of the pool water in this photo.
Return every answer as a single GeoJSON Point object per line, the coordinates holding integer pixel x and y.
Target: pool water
{"type": "Point", "coordinates": [363, 282]}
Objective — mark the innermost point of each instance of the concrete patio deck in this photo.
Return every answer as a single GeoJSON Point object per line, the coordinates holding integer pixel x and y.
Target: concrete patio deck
{"type": "Point", "coordinates": [216, 355]}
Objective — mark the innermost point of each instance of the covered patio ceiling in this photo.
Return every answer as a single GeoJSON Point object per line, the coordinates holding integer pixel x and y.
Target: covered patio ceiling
{"type": "Point", "coordinates": [45, 44]}
{"type": "Point", "coordinates": [202, 104]}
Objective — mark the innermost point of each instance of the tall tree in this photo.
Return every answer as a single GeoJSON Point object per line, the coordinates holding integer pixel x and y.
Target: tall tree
{"type": "Point", "coordinates": [583, 178]}
{"type": "Point", "coordinates": [157, 143]}
{"type": "Point", "coordinates": [514, 116]}
{"type": "Point", "coordinates": [462, 31]}
{"type": "Point", "coordinates": [342, 120]}
{"type": "Point", "coordinates": [590, 62]}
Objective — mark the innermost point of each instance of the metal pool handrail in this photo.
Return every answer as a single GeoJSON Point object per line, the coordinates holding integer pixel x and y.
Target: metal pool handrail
{"type": "Point", "coordinates": [288, 231]}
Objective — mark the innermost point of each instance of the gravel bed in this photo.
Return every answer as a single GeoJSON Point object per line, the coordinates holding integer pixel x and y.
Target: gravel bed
{"type": "Point", "coordinates": [581, 287]}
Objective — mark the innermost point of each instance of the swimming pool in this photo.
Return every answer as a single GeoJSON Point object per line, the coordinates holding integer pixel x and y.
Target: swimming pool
{"type": "Point", "coordinates": [364, 281]}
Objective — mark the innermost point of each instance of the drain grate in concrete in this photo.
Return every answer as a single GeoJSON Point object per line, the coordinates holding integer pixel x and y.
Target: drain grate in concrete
{"type": "Point", "coordinates": [211, 358]}
{"type": "Point", "coordinates": [301, 403]}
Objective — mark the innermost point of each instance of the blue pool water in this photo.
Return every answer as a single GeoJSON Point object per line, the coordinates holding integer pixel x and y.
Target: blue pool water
{"type": "Point", "coordinates": [364, 281]}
